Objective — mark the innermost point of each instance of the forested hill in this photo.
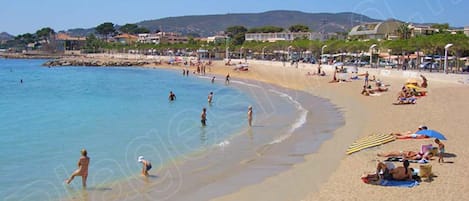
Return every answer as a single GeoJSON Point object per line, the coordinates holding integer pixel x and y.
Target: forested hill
{"type": "Point", "coordinates": [207, 25]}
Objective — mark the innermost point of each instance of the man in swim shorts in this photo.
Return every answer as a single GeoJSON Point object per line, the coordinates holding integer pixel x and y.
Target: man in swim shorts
{"type": "Point", "coordinates": [203, 117]}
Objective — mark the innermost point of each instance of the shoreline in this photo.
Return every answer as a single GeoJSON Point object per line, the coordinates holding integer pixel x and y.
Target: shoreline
{"type": "Point", "coordinates": [228, 174]}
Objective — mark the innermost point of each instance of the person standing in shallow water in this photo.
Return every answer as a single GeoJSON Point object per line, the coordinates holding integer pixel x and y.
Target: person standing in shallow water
{"type": "Point", "coordinates": [227, 79]}
{"type": "Point", "coordinates": [82, 170]}
{"type": "Point", "coordinates": [146, 165]}
{"type": "Point", "coordinates": [203, 117]}
{"type": "Point", "coordinates": [172, 96]}
{"type": "Point", "coordinates": [210, 98]}
{"type": "Point", "coordinates": [250, 115]}
{"type": "Point", "coordinates": [213, 79]}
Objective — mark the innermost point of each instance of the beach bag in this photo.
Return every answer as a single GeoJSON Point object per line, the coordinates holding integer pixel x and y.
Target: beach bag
{"type": "Point", "coordinates": [425, 170]}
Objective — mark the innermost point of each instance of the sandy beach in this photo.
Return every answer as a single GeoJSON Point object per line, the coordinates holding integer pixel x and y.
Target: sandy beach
{"type": "Point", "coordinates": [330, 174]}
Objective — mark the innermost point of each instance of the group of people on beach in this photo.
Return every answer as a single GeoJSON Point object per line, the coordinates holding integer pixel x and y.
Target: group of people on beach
{"type": "Point", "coordinates": [84, 160]}
{"type": "Point", "coordinates": [386, 170]}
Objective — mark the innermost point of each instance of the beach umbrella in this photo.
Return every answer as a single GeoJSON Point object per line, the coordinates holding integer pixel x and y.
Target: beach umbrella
{"type": "Point", "coordinates": [412, 86]}
{"type": "Point", "coordinates": [411, 81]}
{"type": "Point", "coordinates": [432, 134]}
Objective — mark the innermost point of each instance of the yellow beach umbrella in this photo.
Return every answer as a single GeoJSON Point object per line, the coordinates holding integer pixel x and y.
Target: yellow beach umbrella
{"type": "Point", "coordinates": [411, 81]}
{"type": "Point", "coordinates": [412, 86]}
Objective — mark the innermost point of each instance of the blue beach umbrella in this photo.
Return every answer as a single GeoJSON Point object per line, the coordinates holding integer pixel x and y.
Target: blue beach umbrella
{"type": "Point", "coordinates": [432, 134]}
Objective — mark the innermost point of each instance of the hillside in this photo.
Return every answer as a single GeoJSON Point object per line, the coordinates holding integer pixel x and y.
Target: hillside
{"type": "Point", "coordinates": [206, 25]}
{"type": "Point", "coordinates": [210, 24]}
{"type": "Point", "coordinates": [5, 36]}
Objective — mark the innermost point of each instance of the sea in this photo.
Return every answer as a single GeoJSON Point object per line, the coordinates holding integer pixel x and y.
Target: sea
{"type": "Point", "coordinates": [47, 115]}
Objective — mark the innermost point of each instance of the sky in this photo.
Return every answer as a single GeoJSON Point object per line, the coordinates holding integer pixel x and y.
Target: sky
{"type": "Point", "coordinates": [28, 16]}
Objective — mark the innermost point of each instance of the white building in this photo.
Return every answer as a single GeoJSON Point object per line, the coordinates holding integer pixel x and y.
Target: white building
{"type": "Point", "coordinates": [162, 37]}
{"type": "Point", "coordinates": [417, 30]}
{"type": "Point", "coordinates": [149, 38]}
{"type": "Point", "coordinates": [216, 39]}
{"type": "Point", "coordinates": [284, 36]}
{"type": "Point", "coordinates": [376, 30]}
{"type": "Point", "coordinates": [466, 31]}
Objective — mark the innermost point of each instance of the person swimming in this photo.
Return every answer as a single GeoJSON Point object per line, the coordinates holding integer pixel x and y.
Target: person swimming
{"type": "Point", "coordinates": [172, 96]}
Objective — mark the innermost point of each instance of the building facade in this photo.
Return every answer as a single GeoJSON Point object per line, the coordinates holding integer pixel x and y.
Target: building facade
{"type": "Point", "coordinates": [126, 38]}
{"type": "Point", "coordinates": [466, 31]}
{"type": "Point", "coordinates": [162, 37]}
{"type": "Point", "coordinates": [285, 36]}
{"type": "Point", "coordinates": [386, 30]}
{"type": "Point", "coordinates": [418, 30]}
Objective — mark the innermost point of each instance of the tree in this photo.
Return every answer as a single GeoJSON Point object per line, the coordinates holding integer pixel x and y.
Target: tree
{"type": "Point", "coordinates": [133, 29]}
{"type": "Point", "coordinates": [26, 38]}
{"type": "Point", "coordinates": [92, 44]}
{"type": "Point", "coordinates": [403, 31]}
{"type": "Point", "coordinates": [128, 28]}
{"type": "Point", "coordinates": [105, 29]}
{"type": "Point", "coordinates": [299, 28]}
{"type": "Point", "coordinates": [45, 34]}
{"type": "Point", "coordinates": [441, 27]}
{"type": "Point", "coordinates": [266, 29]}
{"type": "Point", "coordinates": [237, 33]}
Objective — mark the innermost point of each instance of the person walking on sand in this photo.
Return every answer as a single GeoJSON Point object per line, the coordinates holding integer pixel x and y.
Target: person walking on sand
{"type": "Point", "coordinates": [146, 165]}
{"type": "Point", "coordinates": [210, 98]}
{"type": "Point", "coordinates": [203, 117]}
{"type": "Point", "coordinates": [250, 115]}
{"type": "Point", "coordinates": [172, 96]}
{"type": "Point", "coordinates": [82, 170]}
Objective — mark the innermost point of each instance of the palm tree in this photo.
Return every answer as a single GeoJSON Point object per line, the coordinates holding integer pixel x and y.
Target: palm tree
{"type": "Point", "coordinates": [404, 31]}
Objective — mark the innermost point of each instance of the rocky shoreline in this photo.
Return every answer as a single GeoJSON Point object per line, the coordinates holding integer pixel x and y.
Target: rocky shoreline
{"type": "Point", "coordinates": [99, 62]}
{"type": "Point", "coordinates": [29, 56]}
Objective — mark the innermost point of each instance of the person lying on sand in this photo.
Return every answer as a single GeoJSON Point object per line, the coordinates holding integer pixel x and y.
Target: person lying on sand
{"type": "Point", "coordinates": [410, 155]}
{"type": "Point", "coordinates": [411, 135]}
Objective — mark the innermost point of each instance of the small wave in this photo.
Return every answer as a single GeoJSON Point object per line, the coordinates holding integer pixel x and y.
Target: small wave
{"type": "Point", "coordinates": [246, 84]}
{"type": "Point", "coordinates": [224, 143]}
{"type": "Point", "coordinates": [300, 121]}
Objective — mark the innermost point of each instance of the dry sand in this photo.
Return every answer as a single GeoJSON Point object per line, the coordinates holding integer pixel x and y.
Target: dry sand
{"type": "Point", "coordinates": [329, 174]}
{"type": "Point", "coordinates": [332, 175]}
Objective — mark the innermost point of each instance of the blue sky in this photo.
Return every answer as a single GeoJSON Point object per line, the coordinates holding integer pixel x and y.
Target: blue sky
{"type": "Point", "coordinates": [22, 16]}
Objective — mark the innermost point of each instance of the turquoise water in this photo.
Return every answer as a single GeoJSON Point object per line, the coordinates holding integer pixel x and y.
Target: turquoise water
{"type": "Point", "coordinates": [117, 114]}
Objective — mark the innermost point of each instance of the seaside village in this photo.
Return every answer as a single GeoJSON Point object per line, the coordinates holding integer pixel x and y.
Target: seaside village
{"type": "Point", "coordinates": [367, 54]}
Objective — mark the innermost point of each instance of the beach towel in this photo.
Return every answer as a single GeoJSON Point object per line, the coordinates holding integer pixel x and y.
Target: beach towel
{"type": "Point", "coordinates": [400, 159]}
{"type": "Point", "coordinates": [370, 141]}
{"type": "Point", "coordinates": [404, 184]}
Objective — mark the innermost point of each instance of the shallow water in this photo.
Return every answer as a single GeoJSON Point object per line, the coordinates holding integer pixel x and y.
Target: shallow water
{"type": "Point", "coordinates": [121, 113]}
{"type": "Point", "coordinates": [117, 114]}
